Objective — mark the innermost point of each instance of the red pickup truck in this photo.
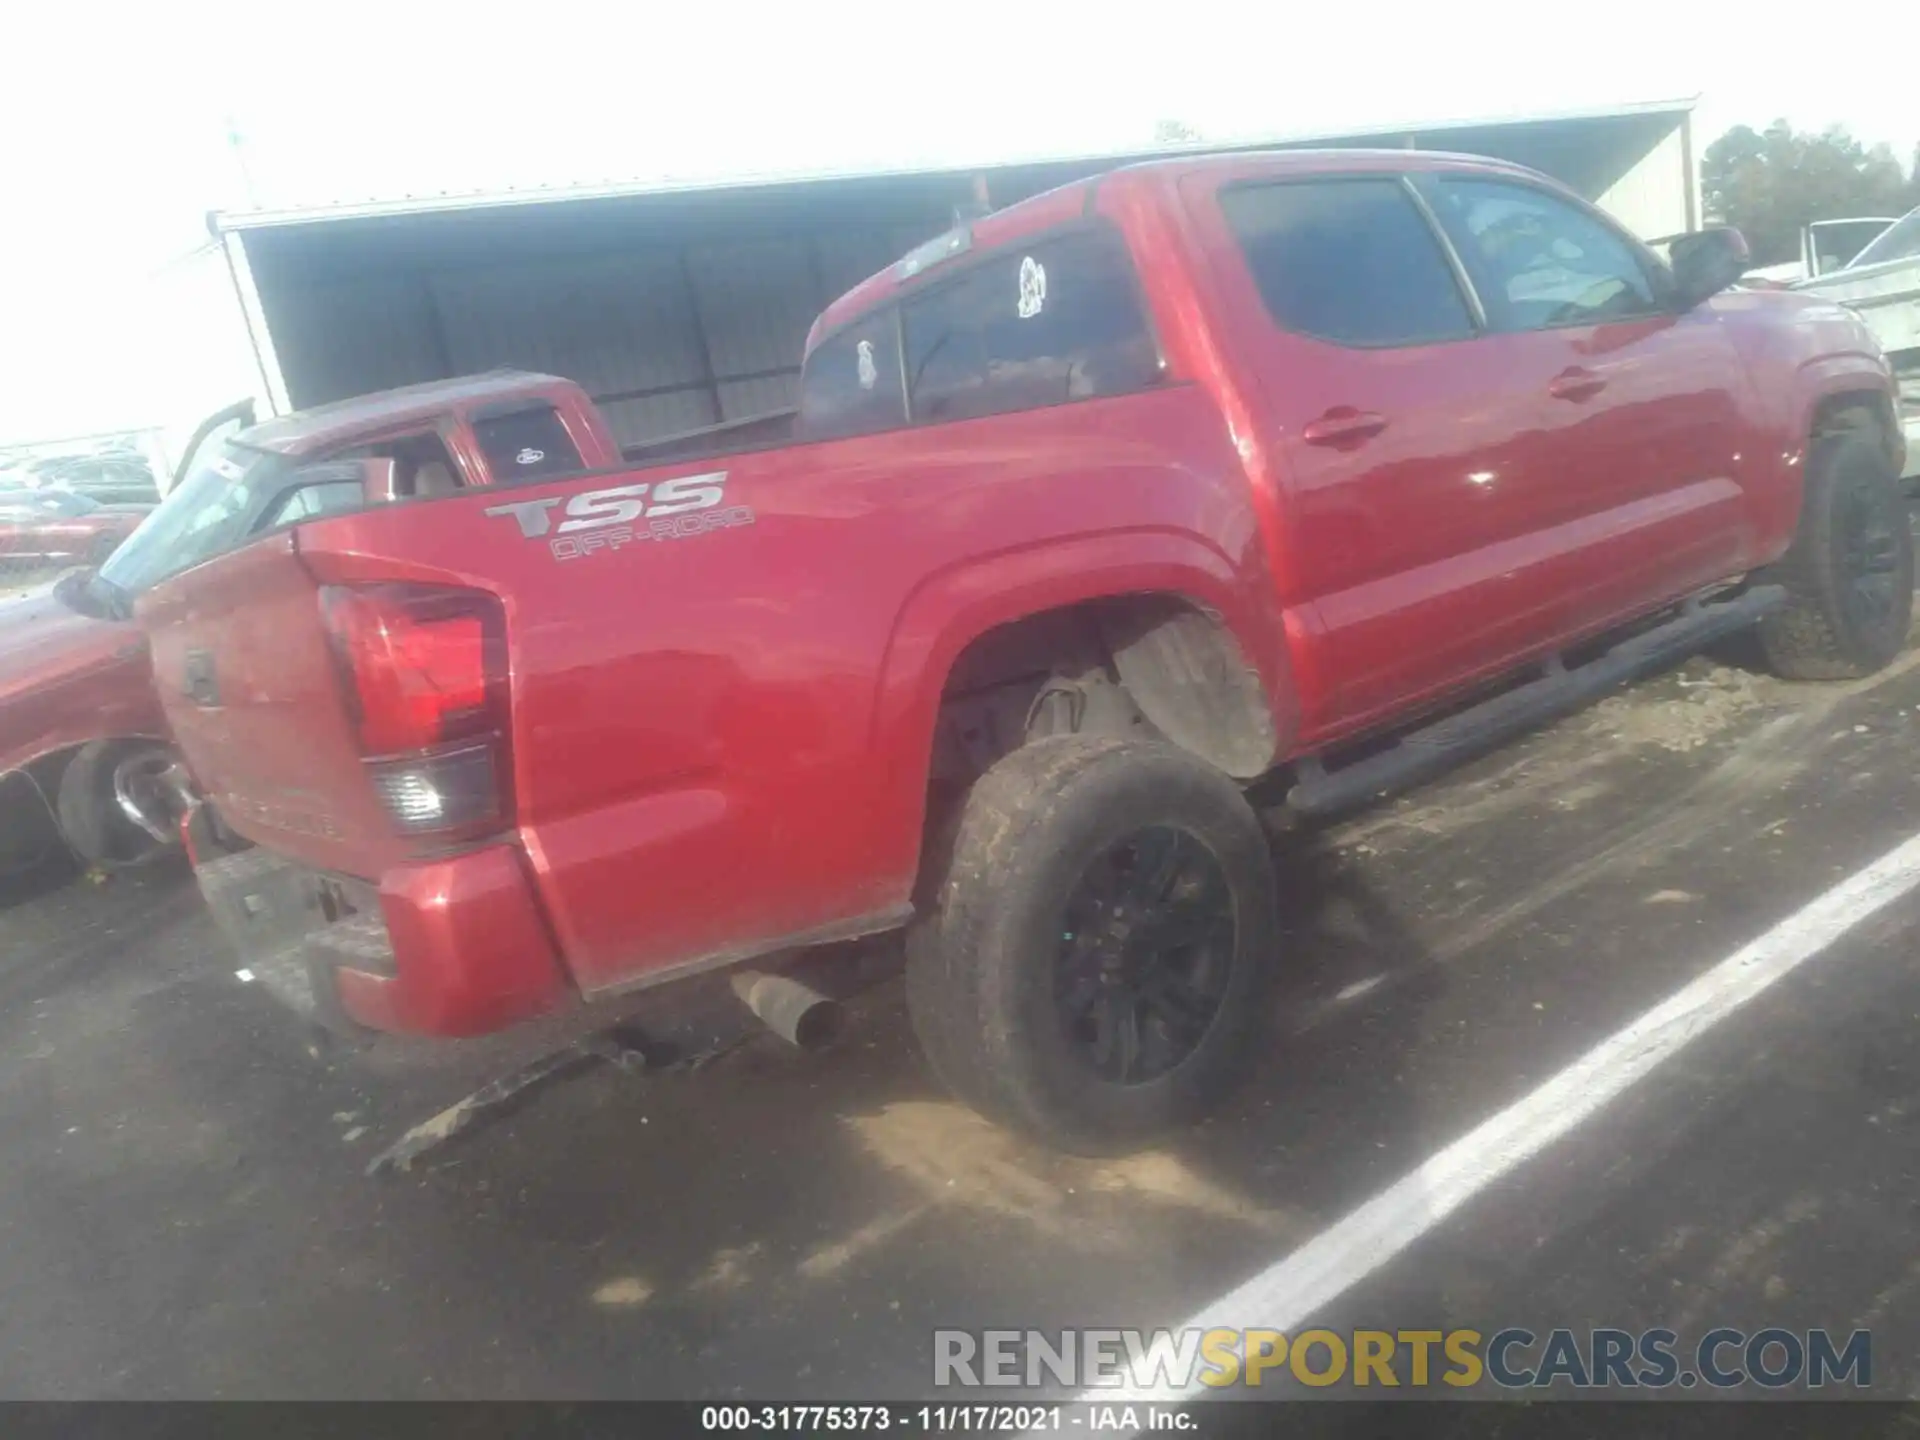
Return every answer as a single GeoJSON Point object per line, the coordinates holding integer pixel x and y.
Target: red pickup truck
{"type": "Point", "coordinates": [1341, 464]}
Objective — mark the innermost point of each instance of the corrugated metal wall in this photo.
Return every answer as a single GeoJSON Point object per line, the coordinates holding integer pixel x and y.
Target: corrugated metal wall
{"type": "Point", "coordinates": [666, 339]}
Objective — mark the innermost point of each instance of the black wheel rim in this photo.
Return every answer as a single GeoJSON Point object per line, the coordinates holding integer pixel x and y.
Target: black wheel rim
{"type": "Point", "coordinates": [1145, 952]}
{"type": "Point", "coordinates": [1869, 560]}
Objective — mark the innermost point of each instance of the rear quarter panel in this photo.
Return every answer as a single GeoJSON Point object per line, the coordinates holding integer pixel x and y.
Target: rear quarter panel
{"type": "Point", "coordinates": [722, 740]}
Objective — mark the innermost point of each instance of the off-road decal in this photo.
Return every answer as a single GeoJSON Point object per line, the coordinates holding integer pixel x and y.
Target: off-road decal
{"type": "Point", "coordinates": [617, 537]}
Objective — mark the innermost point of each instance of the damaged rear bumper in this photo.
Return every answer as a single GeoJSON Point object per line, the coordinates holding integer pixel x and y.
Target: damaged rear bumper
{"type": "Point", "coordinates": [446, 947]}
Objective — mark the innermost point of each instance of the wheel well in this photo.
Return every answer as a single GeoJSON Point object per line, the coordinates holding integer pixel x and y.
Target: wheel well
{"type": "Point", "coordinates": [1119, 664]}
{"type": "Point", "coordinates": [1854, 411]}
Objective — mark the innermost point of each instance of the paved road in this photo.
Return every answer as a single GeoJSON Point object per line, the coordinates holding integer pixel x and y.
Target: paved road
{"type": "Point", "coordinates": [184, 1212]}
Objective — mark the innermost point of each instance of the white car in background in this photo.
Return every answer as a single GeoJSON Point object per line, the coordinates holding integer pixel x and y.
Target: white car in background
{"type": "Point", "coordinates": [1826, 246]}
{"type": "Point", "coordinates": [1881, 284]}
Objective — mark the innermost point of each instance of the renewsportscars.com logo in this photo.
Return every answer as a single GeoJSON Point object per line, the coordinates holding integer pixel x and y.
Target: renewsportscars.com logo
{"type": "Point", "coordinates": [1513, 1358]}
{"type": "Point", "coordinates": [611, 519]}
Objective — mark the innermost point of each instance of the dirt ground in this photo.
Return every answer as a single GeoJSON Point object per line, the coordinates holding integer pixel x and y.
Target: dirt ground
{"type": "Point", "coordinates": [186, 1212]}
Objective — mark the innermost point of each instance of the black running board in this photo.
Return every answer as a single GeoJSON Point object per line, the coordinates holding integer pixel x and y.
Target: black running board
{"type": "Point", "coordinates": [1424, 753]}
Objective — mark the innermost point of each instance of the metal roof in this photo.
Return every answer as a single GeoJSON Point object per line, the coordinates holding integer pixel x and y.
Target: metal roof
{"type": "Point", "coordinates": [224, 221]}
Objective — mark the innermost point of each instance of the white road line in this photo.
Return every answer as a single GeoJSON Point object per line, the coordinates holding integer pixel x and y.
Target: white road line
{"type": "Point", "coordinates": [1295, 1289]}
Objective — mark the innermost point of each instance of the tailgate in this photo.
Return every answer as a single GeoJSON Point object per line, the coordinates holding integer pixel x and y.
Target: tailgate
{"type": "Point", "coordinates": [248, 680]}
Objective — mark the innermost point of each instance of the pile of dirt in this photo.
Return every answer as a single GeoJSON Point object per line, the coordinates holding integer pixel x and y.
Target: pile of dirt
{"type": "Point", "coordinates": [1689, 710]}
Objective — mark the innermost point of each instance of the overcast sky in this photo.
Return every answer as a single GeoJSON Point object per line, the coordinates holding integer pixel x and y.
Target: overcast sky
{"type": "Point", "coordinates": [114, 131]}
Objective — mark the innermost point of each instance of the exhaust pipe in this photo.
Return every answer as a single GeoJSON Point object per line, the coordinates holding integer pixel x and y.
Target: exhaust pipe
{"type": "Point", "coordinates": [797, 1013]}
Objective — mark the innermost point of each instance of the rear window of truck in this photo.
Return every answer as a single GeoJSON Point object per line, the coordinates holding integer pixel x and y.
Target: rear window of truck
{"type": "Point", "coordinates": [851, 385]}
{"type": "Point", "coordinates": [1351, 261]}
{"type": "Point", "coordinates": [529, 443]}
{"type": "Point", "coordinates": [1058, 321]}
{"type": "Point", "coordinates": [1055, 321]}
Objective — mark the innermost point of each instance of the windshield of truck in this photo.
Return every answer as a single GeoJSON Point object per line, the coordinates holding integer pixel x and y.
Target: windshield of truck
{"type": "Point", "coordinates": [207, 512]}
{"type": "Point", "coordinates": [1900, 242]}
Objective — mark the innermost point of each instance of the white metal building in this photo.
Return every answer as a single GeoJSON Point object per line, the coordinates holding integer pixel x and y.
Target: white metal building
{"type": "Point", "coordinates": [681, 307]}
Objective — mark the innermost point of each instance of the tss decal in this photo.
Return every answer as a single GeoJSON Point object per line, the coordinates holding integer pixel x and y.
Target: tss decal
{"type": "Point", "coordinates": [604, 519]}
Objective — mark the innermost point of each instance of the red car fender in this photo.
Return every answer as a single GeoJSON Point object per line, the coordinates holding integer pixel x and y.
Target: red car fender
{"type": "Point", "coordinates": [92, 684]}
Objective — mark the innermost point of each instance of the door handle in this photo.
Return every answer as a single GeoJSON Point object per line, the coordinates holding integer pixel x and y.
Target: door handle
{"type": "Point", "coordinates": [1343, 425]}
{"type": "Point", "coordinates": [1575, 383]}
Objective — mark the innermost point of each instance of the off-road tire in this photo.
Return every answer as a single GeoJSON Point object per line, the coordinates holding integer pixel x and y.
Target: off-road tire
{"type": "Point", "coordinates": [1819, 634]}
{"type": "Point", "coordinates": [90, 818]}
{"type": "Point", "coordinates": [980, 961]}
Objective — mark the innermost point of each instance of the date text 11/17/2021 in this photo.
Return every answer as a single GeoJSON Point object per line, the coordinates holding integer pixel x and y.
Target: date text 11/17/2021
{"type": "Point", "coordinates": [945, 1419]}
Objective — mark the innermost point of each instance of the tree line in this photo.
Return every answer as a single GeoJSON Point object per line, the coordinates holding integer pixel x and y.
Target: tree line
{"type": "Point", "coordinates": [1769, 183]}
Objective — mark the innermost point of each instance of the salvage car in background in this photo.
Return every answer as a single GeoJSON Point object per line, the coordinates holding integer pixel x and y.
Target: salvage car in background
{"type": "Point", "coordinates": [112, 477]}
{"type": "Point", "coordinates": [1881, 285]}
{"type": "Point", "coordinates": [85, 766]}
{"type": "Point", "coordinates": [1825, 246]}
{"type": "Point", "coordinates": [45, 525]}
{"type": "Point", "coordinates": [83, 754]}
{"type": "Point", "coordinates": [83, 751]}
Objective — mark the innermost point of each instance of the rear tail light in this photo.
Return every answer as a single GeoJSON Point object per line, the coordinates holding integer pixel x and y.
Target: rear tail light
{"type": "Point", "coordinates": [427, 685]}
{"type": "Point", "coordinates": [450, 790]}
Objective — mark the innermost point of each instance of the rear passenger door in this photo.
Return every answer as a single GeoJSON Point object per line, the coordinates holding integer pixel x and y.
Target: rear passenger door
{"type": "Point", "coordinates": [1409, 439]}
{"type": "Point", "coordinates": [1638, 404]}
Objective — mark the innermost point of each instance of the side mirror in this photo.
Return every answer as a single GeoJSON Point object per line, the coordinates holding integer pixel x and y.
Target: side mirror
{"type": "Point", "coordinates": [1707, 262]}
